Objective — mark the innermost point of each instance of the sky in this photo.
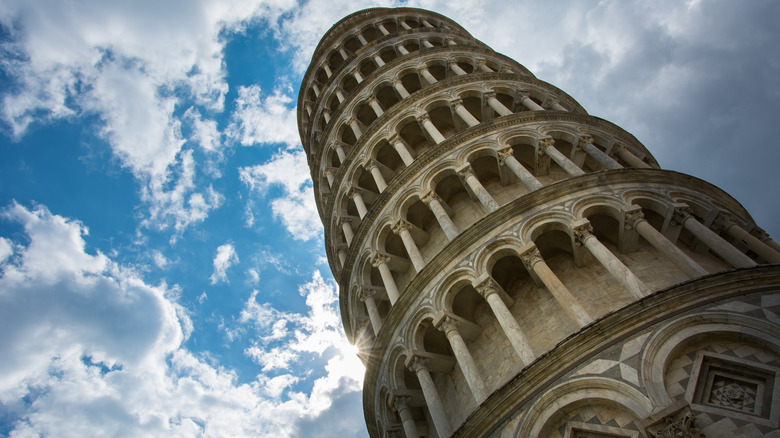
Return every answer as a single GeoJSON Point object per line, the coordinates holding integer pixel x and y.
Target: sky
{"type": "Point", "coordinates": [162, 270]}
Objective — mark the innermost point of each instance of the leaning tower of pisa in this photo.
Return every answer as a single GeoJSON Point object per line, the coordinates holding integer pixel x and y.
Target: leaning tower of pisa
{"type": "Point", "coordinates": [510, 266]}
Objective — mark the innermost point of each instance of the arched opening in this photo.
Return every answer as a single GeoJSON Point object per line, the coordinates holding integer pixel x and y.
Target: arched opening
{"type": "Point", "coordinates": [387, 97]}
{"type": "Point", "coordinates": [412, 134]}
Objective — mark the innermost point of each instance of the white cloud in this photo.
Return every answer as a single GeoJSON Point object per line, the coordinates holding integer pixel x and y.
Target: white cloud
{"type": "Point", "coordinates": [6, 249]}
{"type": "Point", "coordinates": [132, 64]}
{"type": "Point", "coordinates": [159, 259]}
{"type": "Point", "coordinates": [259, 119]}
{"type": "Point", "coordinates": [296, 207]}
{"type": "Point", "coordinates": [90, 349]}
{"type": "Point", "coordinates": [225, 258]}
{"type": "Point", "coordinates": [254, 276]}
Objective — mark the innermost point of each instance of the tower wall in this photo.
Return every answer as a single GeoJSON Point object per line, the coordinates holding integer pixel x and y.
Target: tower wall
{"type": "Point", "coordinates": [512, 266]}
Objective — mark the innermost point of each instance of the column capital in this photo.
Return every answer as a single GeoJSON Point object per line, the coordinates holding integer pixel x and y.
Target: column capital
{"type": "Point", "coordinates": [725, 220]}
{"type": "Point", "coordinates": [366, 293]}
{"type": "Point", "coordinates": [429, 196]}
{"type": "Point", "coordinates": [370, 164]}
{"type": "Point", "coordinates": [546, 141]}
{"type": "Point", "coordinates": [329, 171]}
{"type": "Point", "coordinates": [354, 192]}
{"type": "Point", "coordinates": [503, 154]}
{"type": "Point", "coordinates": [522, 95]}
{"type": "Point", "coordinates": [633, 217]}
{"type": "Point", "coordinates": [343, 219]}
{"type": "Point", "coordinates": [489, 95]}
{"type": "Point", "coordinates": [394, 138]}
{"type": "Point", "coordinates": [487, 287]}
{"type": "Point", "coordinates": [351, 121]}
{"type": "Point", "coordinates": [371, 100]}
{"type": "Point", "coordinates": [456, 102]}
{"type": "Point", "coordinates": [585, 139]}
{"type": "Point", "coordinates": [422, 67]}
{"type": "Point", "coordinates": [530, 257]}
{"type": "Point", "coordinates": [447, 324]}
{"type": "Point", "coordinates": [397, 81]}
{"type": "Point", "coordinates": [377, 258]}
{"type": "Point", "coordinates": [418, 363]}
{"type": "Point", "coordinates": [681, 213]}
{"type": "Point", "coordinates": [465, 171]}
{"type": "Point", "coordinates": [401, 402]}
{"type": "Point", "coordinates": [401, 226]}
{"type": "Point", "coordinates": [423, 117]}
{"type": "Point", "coordinates": [582, 230]}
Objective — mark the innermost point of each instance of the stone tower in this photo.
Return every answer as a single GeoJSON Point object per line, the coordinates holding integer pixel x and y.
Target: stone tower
{"type": "Point", "coordinates": [510, 266]}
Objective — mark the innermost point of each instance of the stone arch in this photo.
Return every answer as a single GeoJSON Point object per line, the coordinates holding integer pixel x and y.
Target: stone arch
{"type": "Point", "coordinates": [577, 391]}
{"type": "Point", "coordinates": [662, 345]}
{"type": "Point", "coordinates": [495, 250]}
{"type": "Point", "coordinates": [445, 290]}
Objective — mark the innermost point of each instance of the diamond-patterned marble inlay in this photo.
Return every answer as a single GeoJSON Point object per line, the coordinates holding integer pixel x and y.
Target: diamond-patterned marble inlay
{"type": "Point", "coordinates": [733, 394]}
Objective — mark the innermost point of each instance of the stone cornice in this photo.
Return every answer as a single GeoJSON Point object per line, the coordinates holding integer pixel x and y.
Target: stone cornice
{"type": "Point", "coordinates": [573, 351]}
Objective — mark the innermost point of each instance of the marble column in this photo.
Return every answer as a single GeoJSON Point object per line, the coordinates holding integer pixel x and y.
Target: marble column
{"type": "Point", "coordinates": [463, 357]}
{"type": "Point", "coordinates": [399, 87]}
{"type": "Point", "coordinates": [463, 113]}
{"type": "Point", "coordinates": [403, 151]}
{"type": "Point", "coordinates": [401, 228]}
{"type": "Point", "coordinates": [374, 104]}
{"type": "Point", "coordinates": [583, 235]}
{"type": "Point", "coordinates": [527, 102]}
{"type": "Point", "coordinates": [340, 96]}
{"type": "Point", "coordinates": [382, 29]}
{"type": "Point", "coordinates": [546, 147]}
{"type": "Point", "coordinates": [379, 61]}
{"type": "Point", "coordinates": [489, 289]}
{"type": "Point", "coordinates": [379, 261]}
{"type": "Point", "coordinates": [328, 173]}
{"type": "Point", "coordinates": [359, 203]}
{"type": "Point", "coordinates": [636, 220]}
{"type": "Point", "coordinates": [456, 68]}
{"type": "Point", "coordinates": [373, 167]}
{"type": "Point", "coordinates": [766, 252]}
{"type": "Point", "coordinates": [427, 44]}
{"type": "Point", "coordinates": [326, 116]}
{"type": "Point", "coordinates": [496, 104]}
{"type": "Point", "coordinates": [340, 152]}
{"type": "Point", "coordinates": [316, 89]}
{"type": "Point", "coordinates": [362, 39]}
{"type": "Point", "coordinates": [425, 121]}
{"type": "Point", "coordinates": [622, 151]}
{"type": "Point", "coordinates": [434, 203]}
{"type": "Point", "coordinates": [482, 66]}
{"type": "Point", "coordinates": [402, 50]}
{"type": "Point", "coordinates": [326, 67]}
{"type": "Point", "coordinates": [505, 157]}
{"type": "Point", "coordinates": [358, 77]}
{"type": "Point", "coordinates": [466, 174]}
{"type": "Point", "coordinates": [346, 227]}
{"type": "Point", "coordinates": [586, 144]}
{"type": "Point", "coordinates": [367, 297]}
{"type": "Point", "coordinates": [441, 421]}
{"type": "Point", "coordinates": [343, 54]}
{"type": "Point", "coordinates": [426, 74]}
{"type": "Point", "coordinates": [353, 123]}
{"type": "Point", "coordinates": [683, 215]}
{"type": "Point", "coordinates": [536, 265]}
{"type": "Point", "coordinates": [401, 405]}
{"type": "Point", "coordinates": [404, 25]}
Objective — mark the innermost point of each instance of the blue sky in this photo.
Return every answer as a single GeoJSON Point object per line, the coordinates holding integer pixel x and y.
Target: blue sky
{"type": "Point", "coordinates": [161, 260]}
